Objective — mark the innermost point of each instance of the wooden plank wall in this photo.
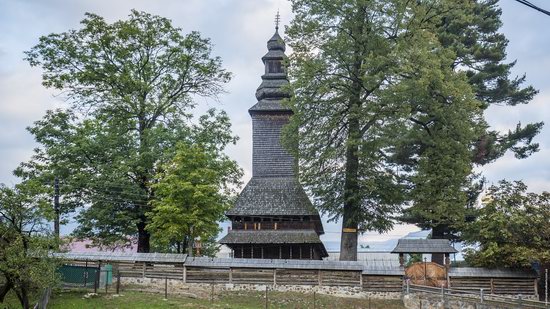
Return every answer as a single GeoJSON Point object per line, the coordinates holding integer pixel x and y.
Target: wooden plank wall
{"type": "Point", "coordinates": [297, 276]}
{"type": "Point", "coordinates": [509, 286]}
{"type": "Point", "coordinates": [340, 278]}
{"type": "Point", "coordinates": [380, 283]}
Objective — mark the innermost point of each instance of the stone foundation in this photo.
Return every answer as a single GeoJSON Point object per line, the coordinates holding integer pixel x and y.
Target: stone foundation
{"type": "Point", "coordinates": [430, 301]}
{"type": "Point", "coordinates": [203, 290]}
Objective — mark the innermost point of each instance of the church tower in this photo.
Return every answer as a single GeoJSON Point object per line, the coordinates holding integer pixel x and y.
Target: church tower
{"type": "Point", "coordinates": [273, 218]}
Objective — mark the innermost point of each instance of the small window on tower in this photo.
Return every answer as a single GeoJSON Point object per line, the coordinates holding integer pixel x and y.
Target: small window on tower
{"type": "Point", "coordinates": [274, 66]}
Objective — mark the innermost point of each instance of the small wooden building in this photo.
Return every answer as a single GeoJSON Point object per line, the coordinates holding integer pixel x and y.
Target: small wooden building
{"type": "Point", "coordinates": [422, 246]}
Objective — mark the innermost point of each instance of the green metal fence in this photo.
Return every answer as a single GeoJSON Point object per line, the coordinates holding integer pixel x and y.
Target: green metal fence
{"type": "Point", "coordinates": [86, 276]}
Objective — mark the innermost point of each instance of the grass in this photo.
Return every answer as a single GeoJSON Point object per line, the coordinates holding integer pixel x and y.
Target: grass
{"type": "Point", "coordinates": [69, 299]}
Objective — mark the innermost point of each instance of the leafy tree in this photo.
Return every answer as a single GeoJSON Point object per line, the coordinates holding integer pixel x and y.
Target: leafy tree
{"type": "Point", "coordinates": [389, 98]}
{"type": "Point", "coordinates": [447, 186]}
{"type": "Point", "coordinates": [130, 86]}
{"type": "Point", "coordinates": [363, 73]}
{"type": "Point", "coordinates": [192, 194]}
{"type": "Point", "coordinates": [24, 242]}
{"type": "Point", "coordinates": [512, 229]}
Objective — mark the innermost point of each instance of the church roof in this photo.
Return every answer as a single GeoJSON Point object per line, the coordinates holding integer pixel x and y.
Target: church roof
{"type": "Point", "coordinates": [276, 42]}
{"type": "Point", "coordinates": [271, 237]}
{"type": "Point", "coordinates": [273, 196]}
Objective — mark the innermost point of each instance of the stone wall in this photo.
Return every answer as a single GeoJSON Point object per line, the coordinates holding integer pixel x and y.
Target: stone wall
{"type": "Point", "coordinates": [432, 301]}
{"type": "Point", "coordinates": [202, 290]}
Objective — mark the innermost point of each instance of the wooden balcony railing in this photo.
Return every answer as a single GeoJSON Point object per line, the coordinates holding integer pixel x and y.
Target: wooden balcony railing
{"type": "Point", "coordinates": [283, 225]}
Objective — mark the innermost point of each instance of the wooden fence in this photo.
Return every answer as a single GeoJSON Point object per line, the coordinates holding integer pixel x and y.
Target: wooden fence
{"type": "Point", "coordinates": [307, 273]}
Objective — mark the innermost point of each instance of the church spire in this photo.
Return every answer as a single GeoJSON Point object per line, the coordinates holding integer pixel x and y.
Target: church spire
{"type": "Point", "coordinates": [273, 87]}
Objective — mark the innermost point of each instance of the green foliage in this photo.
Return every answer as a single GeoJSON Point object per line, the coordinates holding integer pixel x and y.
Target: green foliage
{"type": "Point", "coordinates": [25, 264]}
{"type": "Point", "coordinates": [445, 183]}
{"type": "Point", "coordinates": [414, 258]}
{"type": "Point", "coordinates": [512, 229]}
{"type": "Point", "coordinates": [130, 86]}
{"type": "Point", "coordinates": [192, 194]}
{"type": "Point", "coordinates": [379, 108]}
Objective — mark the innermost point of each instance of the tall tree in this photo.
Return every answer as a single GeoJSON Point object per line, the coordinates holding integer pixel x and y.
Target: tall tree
{"type": "Point", "coordinates": [360, 70]}
{"type": "Point", "coordinates": [471, 31]}
{"type": "Point", "coordinates": [130, 86]}
{"type": "Point", "coordinates": [25, 264]}
{"type": "Point", "coordinates": [193, 191]}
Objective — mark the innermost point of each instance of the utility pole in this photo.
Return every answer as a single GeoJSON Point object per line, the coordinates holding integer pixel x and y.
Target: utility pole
{"type": "Point", "coordinates": [56, 208]}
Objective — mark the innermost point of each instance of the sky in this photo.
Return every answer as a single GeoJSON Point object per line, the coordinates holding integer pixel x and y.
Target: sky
{"type": "Point", "coordinates": [239, 30]}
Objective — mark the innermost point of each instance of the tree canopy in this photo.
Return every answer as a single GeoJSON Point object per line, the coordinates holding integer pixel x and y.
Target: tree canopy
{"type": "Point", "coordinates": [130, 86]}
{"type": "Point", "coordinates": [25, 264]}
{"type": "Point", "coordinates": [191, 195]}
{"type": "Point", "coordinates": [512, 229]}
{"type": "Point", "coordinates": [389, 99]}
{"type": "Point", "coordinates": [446, 187]}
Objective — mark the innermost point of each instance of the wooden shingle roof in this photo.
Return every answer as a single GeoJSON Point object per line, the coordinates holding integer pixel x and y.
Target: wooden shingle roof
{"type": "Point", "coordinates": [424, 246]}
{"type": "Point", "coordinates": [273, 196]}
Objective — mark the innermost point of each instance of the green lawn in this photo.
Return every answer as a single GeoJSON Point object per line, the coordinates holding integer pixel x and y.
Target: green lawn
{"type": "Point", "coordinates": [229, 300]}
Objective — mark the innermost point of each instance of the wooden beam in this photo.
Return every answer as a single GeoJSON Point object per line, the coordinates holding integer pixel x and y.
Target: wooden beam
{"type": "Point", "coordinates": [184, 274]}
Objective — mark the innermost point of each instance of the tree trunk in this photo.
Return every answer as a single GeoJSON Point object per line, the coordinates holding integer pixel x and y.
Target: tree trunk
{"type": "Point", "coordinates": [348, 244]}
{"type": "Point", "coordinates": [352, 202]}
{"type": "Point", "coordinates": [143, 237]}
{"type": "Point", "coordinates": [189, 245]}
{"type": "Point", "coordinates": [23, 296]}
{"type": "Point", "coordinates": [438, 232]}
{"type": "Point", "coordinates": [5, 289]}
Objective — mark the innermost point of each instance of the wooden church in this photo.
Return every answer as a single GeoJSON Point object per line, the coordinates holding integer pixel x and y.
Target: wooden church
{"type": "Point", "coordinates": [273, 217]}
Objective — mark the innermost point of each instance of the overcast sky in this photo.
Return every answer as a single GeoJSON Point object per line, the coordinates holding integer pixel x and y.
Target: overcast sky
{"type": "Point", "coordinates": [239, 30]}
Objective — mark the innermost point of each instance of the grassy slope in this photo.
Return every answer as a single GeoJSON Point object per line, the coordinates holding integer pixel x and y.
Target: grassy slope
{"type": "Point", "coordinates": [229, 300]}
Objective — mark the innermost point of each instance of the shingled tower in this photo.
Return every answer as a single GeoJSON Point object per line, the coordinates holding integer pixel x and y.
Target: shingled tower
{"type": "Point", "coordinates": [273, 218]}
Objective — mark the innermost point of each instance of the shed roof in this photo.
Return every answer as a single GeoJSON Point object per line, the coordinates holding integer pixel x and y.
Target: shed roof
{"type": "Point", "coordinates": [424, 246]}
{"type": "Point", "coordinates": [491, 273]}
{"type": "Point", "coordinates": [384, 270]}
{"type": "Point", "coordinates": [271, 237]}
{"type": "Point", "coordinates": [123, 257]}
{"type": "Point", "coordinates": [272, 263]}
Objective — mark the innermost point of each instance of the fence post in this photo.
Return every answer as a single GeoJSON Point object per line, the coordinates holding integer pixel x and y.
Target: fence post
{"type": "Point", "coordinates": [212, 293]}
{"type": "Point", "coordinates": [86, 273]}
{"type": "Point", "coordinates": [266, 299]}
{"type": "Point", "coordinates": [274, 276]}
{"type": "Point", "coordinates": [106, 281]}
{"type": "Point", "coordinates": [319, 277]}
{"type": "Point", "coordinates": [165, 287]}
{"type": "Point", "coordinates": [118, 282]}
{"type": "Point", "coordinates": [96, 282]}
{"type": "Point", "coordinates": [408, 285]}
{"type": "Point", "coordinates": [143, 271]}
{"type": "Point", "coordinates": [481, 295]}
{"type": "Point", "coordinates": [184, 274]}
{"type": "Point", "coordinates": [546, 287]}
{"type": "Point", "coordinates": [230, 275]}
{"type": "Point", "coordinates": [314, 299]}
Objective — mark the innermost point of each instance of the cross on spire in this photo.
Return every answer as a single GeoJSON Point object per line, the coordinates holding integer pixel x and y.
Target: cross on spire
{"type": "Point", "coordinates": [277, 20]}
